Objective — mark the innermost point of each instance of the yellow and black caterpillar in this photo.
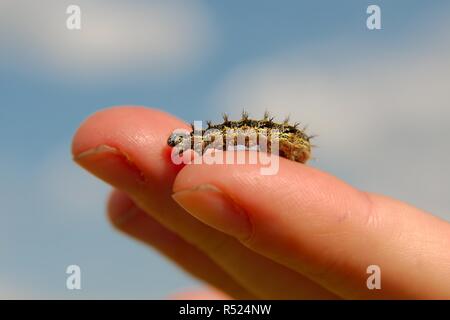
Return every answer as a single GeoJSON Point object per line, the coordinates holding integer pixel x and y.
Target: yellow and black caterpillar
{"type": "Point", "coordinates": [292, 142]}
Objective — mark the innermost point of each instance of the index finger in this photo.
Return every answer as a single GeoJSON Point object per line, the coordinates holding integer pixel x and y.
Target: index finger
{"type": "Point", "coordinates": [322, 227]}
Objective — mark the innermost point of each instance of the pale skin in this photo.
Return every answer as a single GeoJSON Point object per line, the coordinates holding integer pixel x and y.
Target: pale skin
{"type": "Point", "coordinates": [299, 234]}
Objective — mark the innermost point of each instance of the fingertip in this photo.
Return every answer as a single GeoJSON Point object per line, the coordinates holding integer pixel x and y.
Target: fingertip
{"type": "Point", "coordinates": [119, 206]}
{"type": "Point", "coordinates": [228, 175]}
{"type": "Point", "coordinates": [122, 126]}
{"type": "Point", "coordinates": [92, 128]}
{"type": "Point", "coordinates": [199, 294]}
{"type": "Point", "coordinates": [126, 146]}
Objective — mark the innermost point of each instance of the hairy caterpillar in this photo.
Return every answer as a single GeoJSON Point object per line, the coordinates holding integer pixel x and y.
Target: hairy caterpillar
{"type": "Point", "coordinates": [293, 143]}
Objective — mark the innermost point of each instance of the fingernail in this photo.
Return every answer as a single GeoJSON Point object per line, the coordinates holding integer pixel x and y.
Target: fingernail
{"type": "Point", "coordinates": [121, 209]}
{"type": "Point", "coordinates": [210, 205]}
{"type": "Point", "coordinates": [112, 166]}
{"type": "Point", "coordinates": [120, 219]}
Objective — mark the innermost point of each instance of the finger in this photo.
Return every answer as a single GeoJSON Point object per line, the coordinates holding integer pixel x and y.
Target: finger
{"type": "Point", "coordinates": [128, 218]}
{"type": "Point", "coordinates": [199, 295]}
{"type": "Point", "coordinates": [323, 228]}
{"type": "Point", "coordinates": [127, 147]}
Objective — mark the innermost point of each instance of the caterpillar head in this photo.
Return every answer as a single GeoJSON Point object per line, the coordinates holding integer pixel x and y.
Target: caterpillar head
{"type": "Point", "coordinates": [180, 140]}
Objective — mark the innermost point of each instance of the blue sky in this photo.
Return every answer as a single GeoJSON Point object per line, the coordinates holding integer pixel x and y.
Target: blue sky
{"type": "Point", "coordinates": [203, 58]}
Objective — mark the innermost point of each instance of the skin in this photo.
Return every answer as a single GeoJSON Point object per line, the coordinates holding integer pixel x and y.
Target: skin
{"type": "Point", "coordinates": [299, 234]}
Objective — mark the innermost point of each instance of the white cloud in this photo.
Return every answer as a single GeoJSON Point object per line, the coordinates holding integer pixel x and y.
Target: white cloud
{"type": "Point", "coordinates": [382, 114]}
{"type": "Point", "coordinates": [116, 36]}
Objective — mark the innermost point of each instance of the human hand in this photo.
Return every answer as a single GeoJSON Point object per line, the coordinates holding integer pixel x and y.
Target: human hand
{"type": "Point", "coordinates": [299, 234]}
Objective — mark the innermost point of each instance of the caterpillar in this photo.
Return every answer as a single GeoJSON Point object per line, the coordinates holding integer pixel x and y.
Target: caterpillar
{"type": "Point", "coordinates": [293, 142]}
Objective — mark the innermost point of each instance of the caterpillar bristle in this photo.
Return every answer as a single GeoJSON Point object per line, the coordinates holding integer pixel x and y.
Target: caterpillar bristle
{"type": "Point", "coordinates": [225, 117]}
{"type": "Point", "coordinates": [209, 123]}
{"type": "Point", "coordinates": [286, 120]}
{"type": "Point", "coordinates": [244, 115]}
{"type": "Point", "coordinates": [266, 115]}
